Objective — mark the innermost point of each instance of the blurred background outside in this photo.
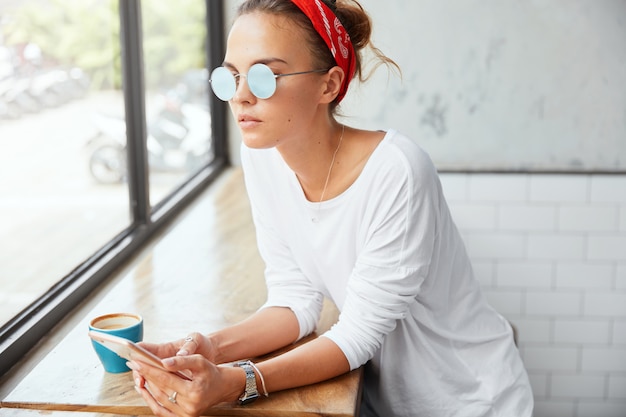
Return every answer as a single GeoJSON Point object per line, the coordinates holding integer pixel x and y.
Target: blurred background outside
{"type": "Point", "coordinates": [63, 188]}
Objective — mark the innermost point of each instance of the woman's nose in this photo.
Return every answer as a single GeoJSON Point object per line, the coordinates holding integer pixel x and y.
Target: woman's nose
{"type": "Point", "coordinates": [242, 91]}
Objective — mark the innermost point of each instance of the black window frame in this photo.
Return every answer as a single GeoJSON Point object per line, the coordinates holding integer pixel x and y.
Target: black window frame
{"type": "Point", "coordinates": [20, 334]}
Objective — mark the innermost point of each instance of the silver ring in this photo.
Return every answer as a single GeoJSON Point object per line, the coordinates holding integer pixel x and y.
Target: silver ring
{"type": "Point", "coordinates": [190, 339]}
{"type": "Point", "coordinates": [172, 397]}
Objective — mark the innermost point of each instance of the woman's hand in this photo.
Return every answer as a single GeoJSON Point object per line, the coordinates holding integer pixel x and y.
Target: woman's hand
{"type": "Point", "coordinates": [169, 395]}
{"type": "Point", "coordinates": [193, 343]}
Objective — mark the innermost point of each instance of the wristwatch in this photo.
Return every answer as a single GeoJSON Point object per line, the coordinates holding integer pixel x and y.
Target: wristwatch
{"type": "Point", "coordinates": [251, 393]}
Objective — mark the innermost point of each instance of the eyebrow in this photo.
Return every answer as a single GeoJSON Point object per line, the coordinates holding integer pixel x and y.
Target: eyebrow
{"type": "Point", "coordinates": [265, 61]}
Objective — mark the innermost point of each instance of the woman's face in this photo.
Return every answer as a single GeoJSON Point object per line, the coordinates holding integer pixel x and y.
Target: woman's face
{"type": "Point", "coordinates": [280, 44]}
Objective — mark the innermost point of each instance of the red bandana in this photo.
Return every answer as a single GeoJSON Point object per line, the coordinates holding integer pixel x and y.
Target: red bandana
{"type": "Point", "coordinates": [334, 34]}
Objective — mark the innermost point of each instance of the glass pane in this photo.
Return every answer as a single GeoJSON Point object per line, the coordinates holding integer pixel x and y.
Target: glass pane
{"type": "Point", "coordinates": [62, 189]}
{"type": "Point", "coordinates": [177, 94]}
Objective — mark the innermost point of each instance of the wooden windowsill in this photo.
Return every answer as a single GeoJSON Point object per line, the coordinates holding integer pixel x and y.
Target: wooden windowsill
{"type": "Point", "coordinates": [206, 257]}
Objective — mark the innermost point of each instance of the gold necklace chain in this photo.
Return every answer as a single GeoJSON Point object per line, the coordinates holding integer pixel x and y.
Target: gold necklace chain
{"type": "Point", "coordinates": [330, 170]}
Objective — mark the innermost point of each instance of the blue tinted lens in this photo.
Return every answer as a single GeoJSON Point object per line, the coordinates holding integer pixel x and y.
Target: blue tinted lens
{"type": "Point", "coordinates": [262, 81]}
{"type": "Point", "coordinates": [223, 83]}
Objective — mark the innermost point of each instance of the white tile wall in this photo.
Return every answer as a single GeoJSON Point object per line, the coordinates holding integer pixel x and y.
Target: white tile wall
{"type": "Point", "coordinates": [559, 189]}
{"type": "Point", "coordinates": [550, 253]}
{"type": "Point", "coordinates": [585, 275]}
{"type": "Point", "coordinates": [579, 386]}
{"type": "Point", "coordinates": [619, 332]}
{"type": "Point", "coordinates": [600, 408]}
{"type": "Point", "coordinates": [582, 332]}
{"type": "Point", "coordinates": [556, 246]}
{"type": "Point", "coordinates": [617, 387]}
{"type": "Point", "coordinates": [524, 274]}
{"type": "Point", "coordinates": [621, 277]}
{"type": "Point", "coordinates": [608, 188]}
{"type": "Point", "coordinates": [581, 218]}
{"type": "Point", "coordinates": [525, 217]}
{"type": "Point", "coordinates": [554, 408]}
{"type": "Point", "coordinates": [605, 304]}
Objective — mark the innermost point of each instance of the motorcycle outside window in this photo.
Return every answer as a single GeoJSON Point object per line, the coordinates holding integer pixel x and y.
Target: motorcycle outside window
{"type": "Point", "coordinates": [178, 120]}
{"type": "Point", "coordinates": [177, 94]}
{"type": "Point", "coordinates": [58, 90]}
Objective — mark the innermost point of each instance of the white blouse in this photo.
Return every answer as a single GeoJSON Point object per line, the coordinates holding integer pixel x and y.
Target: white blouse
{"type": "Point", "coordinates": [387, 252]}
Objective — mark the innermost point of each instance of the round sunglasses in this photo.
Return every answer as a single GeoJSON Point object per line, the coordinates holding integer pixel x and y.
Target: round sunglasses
{"type": "Point", "coordinates": [261, 81]}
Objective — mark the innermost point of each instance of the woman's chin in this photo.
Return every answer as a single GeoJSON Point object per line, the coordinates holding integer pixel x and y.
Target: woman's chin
{"type": "Point", "coordinates": [257, 141]}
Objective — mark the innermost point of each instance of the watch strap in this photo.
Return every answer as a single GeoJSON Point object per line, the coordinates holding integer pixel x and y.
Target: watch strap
{"type": "Point", "coordinates": [251, 393]}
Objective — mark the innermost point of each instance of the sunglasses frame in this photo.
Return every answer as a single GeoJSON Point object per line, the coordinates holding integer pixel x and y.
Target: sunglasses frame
{"type": "Point", "coordinates": [251, 88]}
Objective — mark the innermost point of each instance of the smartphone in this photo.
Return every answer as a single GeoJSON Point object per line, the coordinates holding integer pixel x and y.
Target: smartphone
{"type": "Point", "coordinates": [131, 351]}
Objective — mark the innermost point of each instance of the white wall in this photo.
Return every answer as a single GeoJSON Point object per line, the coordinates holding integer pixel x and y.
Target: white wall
{"type": "Point", "coordinates": [540, 84]}
{"type": "Point", "coordinates": [550, 252]}
{"type": "Point", "coordinates": [503, 84]}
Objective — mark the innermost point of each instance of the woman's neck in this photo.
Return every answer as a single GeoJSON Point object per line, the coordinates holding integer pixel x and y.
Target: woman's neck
{"type": "Point", "coordinates": [316, 160]}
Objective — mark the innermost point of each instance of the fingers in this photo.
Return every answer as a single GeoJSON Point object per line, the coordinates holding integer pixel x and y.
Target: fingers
{"type": "Point", "coordinates": [158, 388]}
{"type": "Point", "coordinates": [182, 347]}
{"type": "Point", "coordinates": [137, 377]}
{"type": "Point", "coordinates": [167, 393]}
{"type": "Point", "coordinates": [162, 350]}
{"type": "Point", "coordinates": [158, 401]}
{"type": "Point", "coordinates": [190, 345]}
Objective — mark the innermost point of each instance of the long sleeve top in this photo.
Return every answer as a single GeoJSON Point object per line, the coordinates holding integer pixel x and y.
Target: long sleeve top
{"type": "Point", "coordinates": [387, 253]}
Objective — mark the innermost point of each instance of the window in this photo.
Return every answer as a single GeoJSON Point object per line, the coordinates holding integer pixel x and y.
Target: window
{"type": "Point", "coordinates": [107, 129]}
{"type": "Point", "coordinates": [177, 92]}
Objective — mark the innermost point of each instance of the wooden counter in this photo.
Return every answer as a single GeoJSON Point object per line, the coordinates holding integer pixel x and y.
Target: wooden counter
{"type": "Point", "coordinates": [202, 274]}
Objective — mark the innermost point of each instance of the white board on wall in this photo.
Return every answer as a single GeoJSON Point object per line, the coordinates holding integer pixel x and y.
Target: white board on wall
{"type": "Point", "coordinates": [502, 85]}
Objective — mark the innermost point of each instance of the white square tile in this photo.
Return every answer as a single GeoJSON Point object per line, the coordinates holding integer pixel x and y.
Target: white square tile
{"type": "Point", "coordinates": [524, 274]}
{"type": "Point", "coordinates": [498, 187]}
{"type": "Point", "coordinates": [551, 358]}
{"type": "Point", "coordinates": [527, 217]}
{"type": "Point", "coordinates": [582, 332]}
{"type": "Point", "coordinates": [550, 304]}
{"type": "Point", "coordinates": [578, 386]}
{"type": "Point", "coordinates": [617, 386]}
{"type": "Point", "coordinates": [608, 188]}
{"type": "Point", "coordinates": [496, 245]}
{"type": "Point", "coordinates": [612, 247]}
{"type": "Point", "coordinates": [559, 188]}
{"type": "Point", "coordinates": [619, 332]}
{"type": "Point", "coordinates": [592, 275]}
{"type": "Point", "coordinates": [604, 359]}
{"type": "Point", "coordinates": [472, 216]}
{"type": "Point", "coordinates": [620, 283]}
{"type": "Point", "coordinates": [604, 408]}
{"type": "Point", "coordinates": [505, 302]}
{"type": "Point", "coordinates": [554, 408]}
{"type": "Point", "coordinates": [593, 218]}
{"type": "Point", "coordinates": [534, 330]}
{"type": "Point", "coordinates": [605, 304]}
{"type": "Point", "coordinates": [556, 246]}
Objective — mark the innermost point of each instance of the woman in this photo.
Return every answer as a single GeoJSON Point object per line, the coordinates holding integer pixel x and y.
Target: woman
{"type": "Point", "coordinates": [354, 215]}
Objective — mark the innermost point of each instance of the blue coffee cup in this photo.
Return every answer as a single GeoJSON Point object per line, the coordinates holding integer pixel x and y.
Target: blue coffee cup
{"type": "Point", "coordinates": [126, 325]}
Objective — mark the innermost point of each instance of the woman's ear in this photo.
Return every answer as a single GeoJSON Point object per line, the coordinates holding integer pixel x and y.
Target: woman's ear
{"type": "Point", "coordinates": [333, 84]}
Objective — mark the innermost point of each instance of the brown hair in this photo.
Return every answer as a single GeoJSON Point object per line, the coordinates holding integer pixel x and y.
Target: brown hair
{"type": "Point", "coordinates": [351, 15]}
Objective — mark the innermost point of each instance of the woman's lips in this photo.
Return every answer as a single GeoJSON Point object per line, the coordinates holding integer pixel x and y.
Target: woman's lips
{"type": "Point", "coordinates": [247, 122]}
